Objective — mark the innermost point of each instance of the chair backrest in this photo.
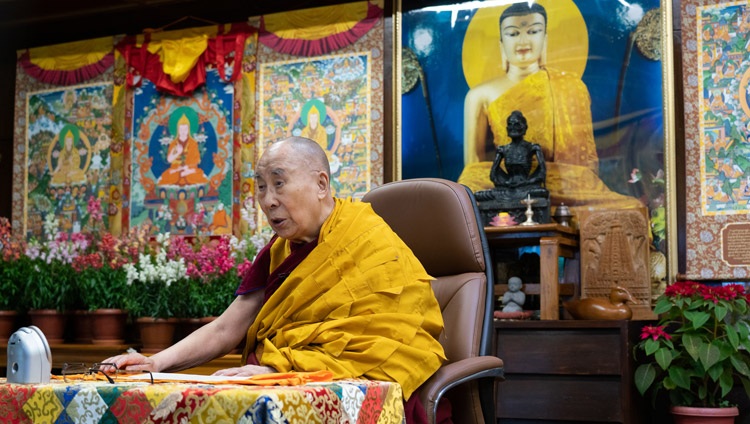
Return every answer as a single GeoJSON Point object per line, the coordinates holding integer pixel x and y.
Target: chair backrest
{"type": "Point", "coordinates": [439, 220]}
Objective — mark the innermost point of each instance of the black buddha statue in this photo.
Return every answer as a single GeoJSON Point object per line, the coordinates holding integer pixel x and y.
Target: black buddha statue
{"type": "Point", "coordinates": [516, 178]}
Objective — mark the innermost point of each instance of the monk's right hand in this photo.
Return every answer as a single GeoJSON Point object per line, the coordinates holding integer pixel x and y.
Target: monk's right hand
{"type": "Point", "coordinates": [131, 361]}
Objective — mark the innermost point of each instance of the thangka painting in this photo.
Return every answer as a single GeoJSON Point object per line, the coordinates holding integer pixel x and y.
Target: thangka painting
{"type": "Point", "coordinates": [68, 161]}
{"type": "Point", "coordinates": [326, 99]}
{"type": "Point", "coordinates": [725, 114]}
{"type": "Point", "coordinates": [320, 75]}
{"type": "Point", "coordinates": [62, 138]}
{"type": "Point", "coordinates": [716, 64]}
{"type": "Point", "coordinates": [181, 159]}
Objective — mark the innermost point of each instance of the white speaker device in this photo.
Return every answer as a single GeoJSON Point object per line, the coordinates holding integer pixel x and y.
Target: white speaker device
{"type": "Point", "coordinates": [29, 356]}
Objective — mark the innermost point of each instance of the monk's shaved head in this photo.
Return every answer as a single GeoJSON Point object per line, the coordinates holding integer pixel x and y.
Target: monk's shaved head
{"type": "Point", "coordinates": [307, 151]}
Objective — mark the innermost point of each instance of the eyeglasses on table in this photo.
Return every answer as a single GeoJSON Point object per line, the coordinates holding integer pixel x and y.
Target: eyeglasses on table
{"type": "Point", "coordinates": [90, 372]}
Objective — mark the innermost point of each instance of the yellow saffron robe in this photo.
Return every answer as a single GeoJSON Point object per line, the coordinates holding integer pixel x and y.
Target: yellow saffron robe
{"type": "Point", "coordinates": [360, 305]}
{"type": "Point", "coordinates": [557, 108]}
{"type": "Point", "coordinates": [69, 170]}
{"type": "Point", "coordinates": [190, 157]}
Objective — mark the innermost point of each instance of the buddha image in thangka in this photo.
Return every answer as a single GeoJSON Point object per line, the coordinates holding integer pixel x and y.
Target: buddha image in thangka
{"type": "Point", "coordinates": [326, 100]}
{"type": "Point", "coordinates": [67, 164]}
{"type": "Point", "coordinates": [182, 163]}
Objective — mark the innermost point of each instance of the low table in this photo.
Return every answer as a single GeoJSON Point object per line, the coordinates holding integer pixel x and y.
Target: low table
{"type": "Point", "coordinates": [554, 241]}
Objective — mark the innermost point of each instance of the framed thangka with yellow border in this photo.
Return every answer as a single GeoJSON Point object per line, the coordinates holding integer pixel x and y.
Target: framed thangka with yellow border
{"type": "Point", "coordinates": [181, 159]}
{"type": "Point", "coordinates": [62, 138]}
{"type": "Point", "coordinates": [716, 66]}
{"type": "Point", "coordinates": [320, 75]}
{"type": "Point", "coordinates": [188, 136]}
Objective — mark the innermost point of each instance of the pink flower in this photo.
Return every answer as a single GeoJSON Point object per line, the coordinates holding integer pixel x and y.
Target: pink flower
{"type": "Point", "coordinates": [94, 208]}
{"type": "Point", "coordinates": [654, 332]}
{"type": "Point", "coordinates": [503, 219]}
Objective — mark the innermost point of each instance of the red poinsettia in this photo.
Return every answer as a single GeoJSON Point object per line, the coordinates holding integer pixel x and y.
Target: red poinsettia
{"type": "Point", "coordinates": [700, 347]}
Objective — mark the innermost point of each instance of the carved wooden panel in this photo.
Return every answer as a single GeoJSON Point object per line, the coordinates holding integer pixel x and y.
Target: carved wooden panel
{"type": "Point", "coordinates": [615, 251]}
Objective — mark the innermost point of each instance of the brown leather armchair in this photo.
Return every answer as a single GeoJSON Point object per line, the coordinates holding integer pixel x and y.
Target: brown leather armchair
{"type": "Point", "coordinates": [438, 219]}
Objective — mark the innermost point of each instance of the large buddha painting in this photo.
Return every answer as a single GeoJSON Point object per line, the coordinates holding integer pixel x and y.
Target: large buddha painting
{"type": "Point", "coordinates": [588, 77]}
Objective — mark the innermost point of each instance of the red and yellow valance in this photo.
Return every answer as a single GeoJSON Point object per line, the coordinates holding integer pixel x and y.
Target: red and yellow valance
{"type": "Point", "coordinates": [176, 61]}
{"type": "Point", "coordinates": [321, 30]}
{"type": "Point", "coordinates": [68, 63]}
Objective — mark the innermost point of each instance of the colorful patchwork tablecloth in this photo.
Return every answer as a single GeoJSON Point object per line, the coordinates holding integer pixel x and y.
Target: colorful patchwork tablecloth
{"type": "Point", "coordinates": [346, 401]}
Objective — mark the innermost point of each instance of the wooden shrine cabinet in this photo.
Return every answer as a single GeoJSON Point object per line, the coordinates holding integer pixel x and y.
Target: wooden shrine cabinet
{"type": "Point", "coordinates": [567, 370]}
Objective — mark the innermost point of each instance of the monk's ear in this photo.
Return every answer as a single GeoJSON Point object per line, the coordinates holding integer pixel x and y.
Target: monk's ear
{"type": "Point", "coordinates": [324, 184]}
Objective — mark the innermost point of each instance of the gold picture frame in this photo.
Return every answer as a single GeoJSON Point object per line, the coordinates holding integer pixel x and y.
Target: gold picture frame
{"type": "Point", "coordinates": [448, 26]}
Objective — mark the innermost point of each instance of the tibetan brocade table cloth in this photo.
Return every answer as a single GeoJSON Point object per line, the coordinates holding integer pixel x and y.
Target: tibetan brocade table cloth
{"type": "Point", "coordinates": [344, 401]}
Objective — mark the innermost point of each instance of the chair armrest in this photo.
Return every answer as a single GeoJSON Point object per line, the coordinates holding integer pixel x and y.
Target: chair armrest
{"type": "Point", "coordinates": [453, 374]}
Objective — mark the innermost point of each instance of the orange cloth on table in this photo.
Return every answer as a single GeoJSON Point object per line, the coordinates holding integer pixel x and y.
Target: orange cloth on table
{"type": "Point", "coordinates": [290, 378]}
{"type": "Point", "coordinates": [360, 305]}
{"type": "Point", "coordinates": [271, 379]}
{"type": "Point", "coordinates": [557, 107]}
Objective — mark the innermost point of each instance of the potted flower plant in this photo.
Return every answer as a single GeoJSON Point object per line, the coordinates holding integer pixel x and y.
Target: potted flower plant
{"type": "Point", "coordinates": [699, 350]}
{"type": "Point", "coordinates": [157, 289]}
{"type": "Point", "coordinates": [49, 286]}
{"type": "Point", "coordinates": [13, 269]}
{"type": "Point", "coordinates": [103, 290]}
{"type": "Point", "coordinates": [213, 276]}
{"type": "Point", "coordinates": [219, 266]}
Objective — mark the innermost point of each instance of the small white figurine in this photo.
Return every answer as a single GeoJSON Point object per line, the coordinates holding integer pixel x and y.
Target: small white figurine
{"type": "Point", "coordinates": [514, 298]}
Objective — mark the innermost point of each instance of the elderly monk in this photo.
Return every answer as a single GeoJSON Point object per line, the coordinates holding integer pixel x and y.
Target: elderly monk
{"type": "Point", "coordinates": [335, 289]}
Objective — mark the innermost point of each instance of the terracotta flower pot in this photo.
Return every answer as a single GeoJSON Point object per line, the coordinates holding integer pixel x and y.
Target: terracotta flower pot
{"type": "Point", "coordinates": [7, 325]}
{"type": "Point", "coordinates": [694, 415]}
{"type": "Point", "coordinates": [82, 326]}
{"type": "Point", "coordinates": [51, 323]}
{"type": "Point", "coordinates": [156, 333]}
{"type": "Point", "coordinates": [108, 326]}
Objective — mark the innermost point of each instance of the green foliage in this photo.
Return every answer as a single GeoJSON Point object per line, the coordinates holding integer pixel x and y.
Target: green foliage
{"type": "Point", "coordinates": [48, 285]}
{"type": "Point", "coordinates": [699, 349]}
{"type": "Point", "coordinates": [103, 288]}
{"type": "Point", "coordinates": [13, 275]}
{"type": "Point", "coordinates": [219, 293]}
{"type": "Point", "coordinates": [210, 297]}
{"type": "Point", "coordinates": [157, 299]}
{"type": "Point", "coordinates": [659, 223]}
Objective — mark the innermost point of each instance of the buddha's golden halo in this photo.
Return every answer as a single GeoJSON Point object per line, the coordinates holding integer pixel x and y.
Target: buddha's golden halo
{"type": "Point", "coordinates": [567, 41]}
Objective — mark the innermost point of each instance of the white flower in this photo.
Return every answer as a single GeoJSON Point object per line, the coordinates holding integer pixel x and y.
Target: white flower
{"type": "Point", "coordinates": [131, 272]}
{"type": "Point", "coordinates": [51, 225]}
{"type": "Point", "coordinates": [261, 238]}
{"type": "Point", "coordinates": [163, 239]}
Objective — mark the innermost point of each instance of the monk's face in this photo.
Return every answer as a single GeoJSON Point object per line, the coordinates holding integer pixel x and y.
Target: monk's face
{"type": "Point", "coordinates": [289, 192]}
{"type": "Point", "coordinates": [182, 131]}
{"type": "Point", "coordinates": [313, 119]}
{"type": "Point", "coordinates": [523, 39]}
